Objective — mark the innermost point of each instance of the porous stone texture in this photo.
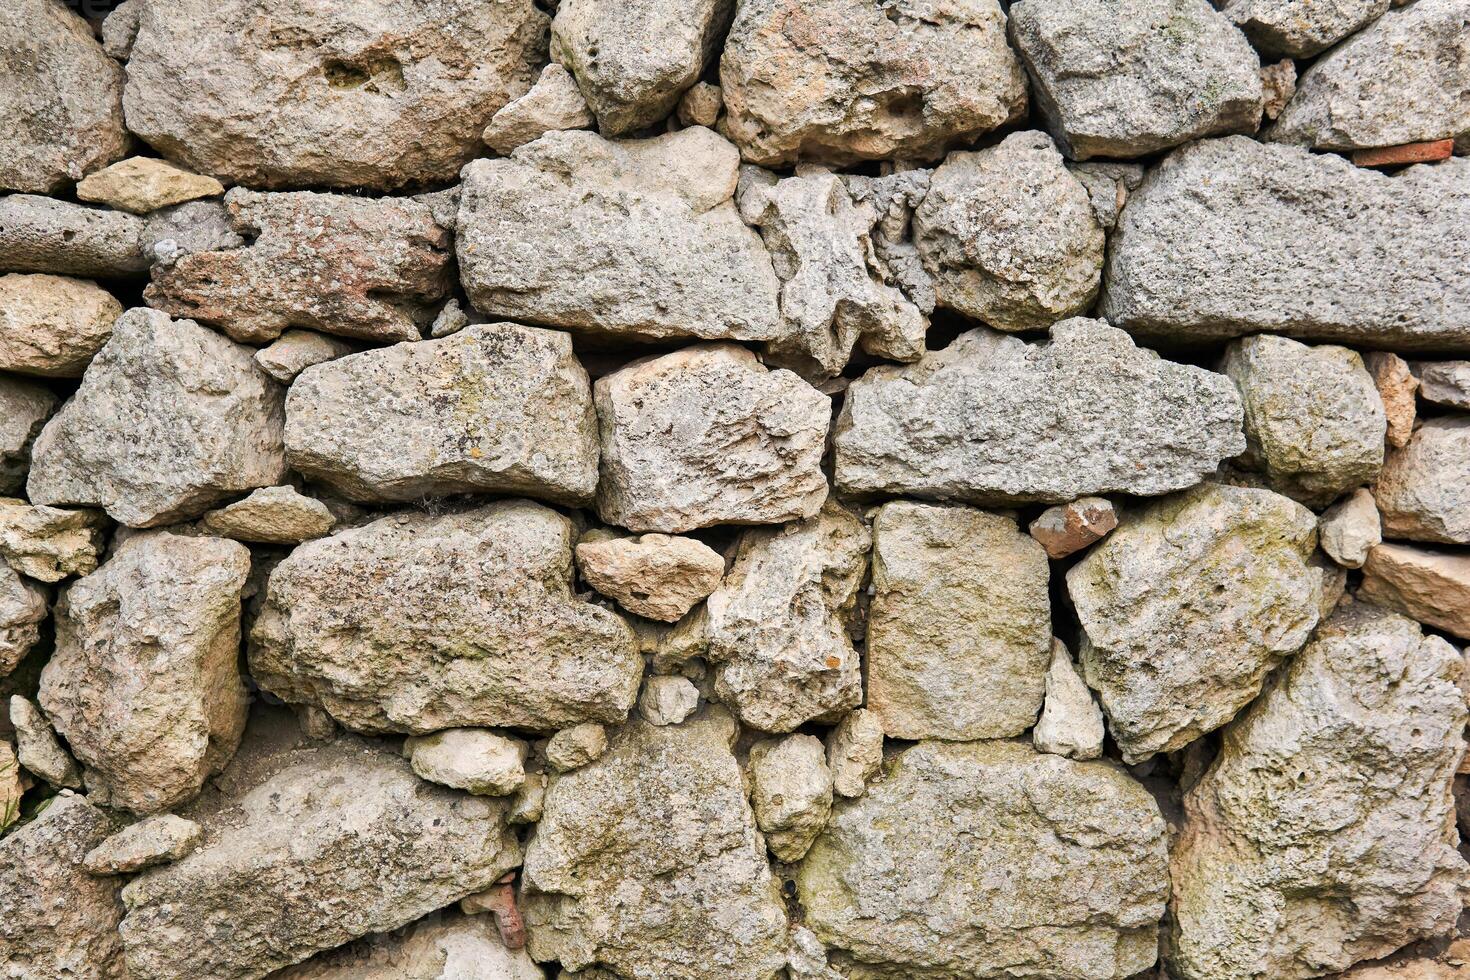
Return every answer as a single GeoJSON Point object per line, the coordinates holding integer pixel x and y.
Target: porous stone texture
{"type": "Point", "coordinates": [1396, 387]}
{"type": "Point", "coordinates": [270, 515]}
{"type": "Point", "coordinates": [150, 841]}
{"type": "Point", "coordinates": [791, 793]}
{"type": "Point", "coordinates": [415, 623]}
{"type": "Point", "coordinates": [1070, 527]}
{"type": "Point", "coordinates": [440, 947]}
{"type": "Point", "coordinates": [667, 700]}
{"type": "Point", "coordinates": [37, 748]}
{"type": "Point", "coordinates": [1431, 586]}
{"type": "Point", "coordinates": [1423, 492]}
{"type": "Point", "coordinates": [1085, 841]}
{"type": "Point", "coordinates": [1323, 833]}
{"type": "Point", "coordinates": [496, 407]}
{"type": "Point", "coordinates": [656, 576]}
{"type": "Point", "coordinates": [1350, 528]}
{"type": "Point", "coordinates": [1278, 85]}
{"type": "Point", "coordinates": [573, 748]}
{"type": "Point", "coordinates": [1444, 383]}
{"type": "Point", "coordinates": [1229, 237]}
{"type": "Point", "coordinates": [170, 419]}
{"type": "Point", "coordinates": [994, 419]}
{"type": "Point", "coordinates": [855, 752]}
{"type": "Point", "coordinates": [22, 610]}
{"type": "Point", "coordinates": [959, 630]}
{"type": "Point", "coordinates": [843, 80]}
{"type": "Point", "coordinates": [291, 93]}
{"type": "Point", "coordinates": [49, 543]}
{"type": "Point", "coordinates": [471, 759]}
{"type": "Point", "coordinates": [24, 409]}
{"type": "Point", "coordinates": [142, 184]}
{"type": "Point", "coordinates": [296, 350]}
{"type": "Point", "coordinates": [701, 105]}
{"type": "Point", "coordinates": [51, 326]}
{"type": "Point", "coordinates": [1123, 79]}
{"type": "Point", "coordinates": [1071, 723]}
{"type": "Point", "coordinates": [1188, 605]}
{"type": "Point", "coordinates": [39, 234]}
{"type": "Point", "coordinates": [1298, 30]}
{"type": "Point", "coordinates": [554, 103]}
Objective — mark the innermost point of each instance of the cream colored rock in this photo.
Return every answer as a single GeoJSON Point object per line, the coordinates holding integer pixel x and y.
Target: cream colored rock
{"type": "Point", "coordinates": [143, 184]}
{"type": "Point", "coordinates": [471, 759]}
{"type": "Point", "coordinates": [52, 326]}
{"type": "Point", "coordinates": [701, 105]}
{"type": "Point", "coordinates": [855, 752]}
{"type": "Point", "coordinates": [13, 784]}
{"type": "Point", "coordinates": [271, 515]}
{"type": "Point", "coordinates": [575, 747]}
{"type": "Point", "coordinates": [150, 841]}
{"type": "Point", "coordinates": [49, 543]}
{"type": "Point", "coordinates": [438, 947]}
{"type": "Point", "coordinates": [1278, 85]}
{"type": "Point", "coordinates": [1071, 723]}
{"type": "Point", "coordinates": [1350, 528]}
{"type": "Point", "coordinates": [22, 610]}
{"type": "Point", "coordinates": [791, 793]}
{"type": "Point", "coordinates": [554, 103]}
{"type": "Point", "coordinates": [1396, 387]}
{"type": "Point", "coordinates": [1430, 586]}
{"type": "Point", "coordinates": [1068, 528]}
{"type": "Point", "coordinates": [653, 575]}
{"type": "Point", "coordinates": [1444, 383]}
{"type": "Point", "coordinates": [1423, 492]}
{"type": "Point", "coordinates": [37, 748]}
{"type": "Point", "coordinates": [296, 350]}
{"type": "Point", "coordinates": [24, 411]}
{"type": "Point", "coordinates": [667, 700]}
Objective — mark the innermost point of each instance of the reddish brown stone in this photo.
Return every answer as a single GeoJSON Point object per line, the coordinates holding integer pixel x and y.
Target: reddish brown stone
{"type": "Point", "coordinates": [1396, 385]}
{"type": "Point", "coordinates": [1395, 156]}
{"type": "Point", "coordinates": [1069, 528]}
{"type": "Point", "coordinates": [1430, 586]}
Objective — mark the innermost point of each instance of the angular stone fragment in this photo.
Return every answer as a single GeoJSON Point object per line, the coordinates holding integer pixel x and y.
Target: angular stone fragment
{"type": "Point", "coordinates": [296, 350]}
{"type": "Point", "coordinates": [22, 609]}
{"type": "Point", "coordinates": [647, 861]}
{"type": "Point", "coordinates": [1404, 154]}
{"type": "Point", "coordinates": [980, 859]}
{"type": "Point", "coordinates": [13, 785]}
{"type": "Point", "coordinates": [1071, 723]}
{"type": "Point", "coordinates": [415, 623]}
{"type": "Point", "coordinates": [1444, 382]}
{"type": "Point", "coordinates": [51, 326]}
{"type": "Point", "coordinates": [1229, 237]}
{"type": "Point", "coordinates": [270, 515]}
{"type": "Point", "coordinates": [1068, 528]}
{"type": "Point", "coordinates": [652, 575]}
{"type": "Point", "coordinates": [142, 184]}
{"type": "Point", "coordinates": [1108, 185]}
{"type": "Point", "coordinates": [1402, 79]}
{"type": "Point", "coordinates": [62, 99]}
{"type": "Point", "coordinates": [24, 409]}
{"type": "Point", "coordinates": [701, 105]}
{"type": "Point", "coordinates": [959, 631]}
{"type": "Point", "coordinates": [706, 435]}
{"type": "Point", "coordinates": [778, 624]}
{"type": "Point", "coordinates": [38, 234]}
{"type": "Point", "coordinates": [575, 747]}
{"type": "Point", "coordinates": [341, 841]}
{"type": "Point", "coordinates": [855, 752]}
{"type": "Point", "coordinates": [56, 920]}
{"type": "Point", "coordinates": [553, 104]}
{"type": "Point", "coordinates": [49, 543]}
{"type": "Point", "coordinates": [1314, 423]}
{"type": "Point", "coordinates": [438, 947]}
{"type": "Point", "coordinates": [1423, 492]}
{"type": "Point", "coordinates": [291, 93]}
{"type": "Point", "coordinates": [1431, 586]}
{"type": "Point", "coordinates": [1396, 386]}
{"type": "Point", "coordinates": [1278, 85]}
{"type": "Point", "coordinates": [150, 841]}
{"type": "Point", "coordinates": [667, 700]}
{"type": "Point", "coordinates": [195, 226]}
{"type": "Point", "coordinates": [633, 61]}
{"type": "Point", "coordinates": [1350, 528]}
{"type": "Point", "coordinates": [845, 80]}
{"type": "Point", "coordinates": [471, 759]}
{"type": "Point", "coordinates": [1123, 79]}
{"type": "Point", "coordinates": [170, 419]}
{"type": "Point", "coordinates": [630, 239]}
{"type": "Point", "coordinates": [791, 793]}
{"type": "Point", "coordinates": [352, 266]}
{"type": "Point", "coordinates": [1187, 607]}
{"type": "Point", "coordinates": [1296, 29]}
{"type": "Point", "coordinates": [993, 419]}
{"type": "Point", "coordinates": [37, 747]}
{"type": "Point", "coordinates": [1324, 832]}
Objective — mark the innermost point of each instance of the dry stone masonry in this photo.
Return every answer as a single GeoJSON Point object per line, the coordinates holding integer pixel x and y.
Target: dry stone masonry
{"type": "Point", "coordinates": [734, 489]}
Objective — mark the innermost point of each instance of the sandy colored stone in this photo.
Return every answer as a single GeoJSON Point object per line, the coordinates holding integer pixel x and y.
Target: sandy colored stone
{"type": "Point", "coordinates": [1430, 586]}
{"type": "Point", "coordinates": [667, 700]}
{"type": "Point", "coordinates": [150, 841]}
{"type": "Point", "coordinates": [575, 747]}
{"type": "Point", "coordinates": [51, 326]}
{"type": "Point", "coordinates": [1350, 528]}
{"type": "Point", "coordinates": [1278, 85]}
{"type": "Point", "coordinates": [24, 410]}
{"type": "Point", "coordinates": [38, 749]}
{"type": "Point", "coordinates": [701, 105]}
{"type": "Point", "coordinates": [791, 793]}
{"type": "Point", "coordinates": [271, 515]}
{"type": "Point", "coordinates": [471, 759]}
{"type": "Point", "coordinates": [1444, 383]}
{"type": "Point", "coordinates": [143, 184]}
{"type": "Point", "coordinates": [1071, 723]}
{"type": "Point", "coordinates": [1396, 387]}
{"type": "Point", "coordinates": [554, 103]}
{"type": "Point", "coordinates": [1068, 528]}
{"type": "Point", "coordinates": [296, 350]}
{"type": "Point", "coordinates": [13, 784]}
{"type": "Point", "coordinates": [438, 947]}
{"type": "Point", "coordinates": [1423, 492]}
{"type": "Point", "coordinates": [1289, 27]}
{"type": "Point", "coordinates": [49, 543]}
{"type": "Point", "coordinates": [652, 575]}
{"type": "Point", "coordinates": [1108, 185]}
{"type": "Point", "coordinates": [959, 631]}
{"type": "Point", "coordinates": [40, 234]}
{"type": "Point", "coordinates": [22, 610]}
{"type": "Point", "coordinates": [855, 752]}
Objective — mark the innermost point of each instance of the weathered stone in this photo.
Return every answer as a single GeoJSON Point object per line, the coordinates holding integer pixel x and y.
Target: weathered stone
{"type": "Point", "coordinates": [22, 610]}
{"type": "Point", "coordinates": [1009, 235]}
{"type": "Point", "coordinates": [706, 435]}
{"type": "Point", "coordinates": [631, 239]}
{"type": "Point", "coordinates": [296, 350]}
{"type": "Point", "coordinates": [150, 841]}
{"type": "Point", "coordinates": [352, 266]}
{"type": "Point", "coordinates": [13, 784]}
{"type": "Point", "coordinates": [959, 632]}
{"type": "Point", "coordinates": [791, 793]}
{"type": "Point", "coordinates": [1350, 528]}
{"type": "Point", "coordinates": [648, 862]}
{"type": "Point", "coordinates": [1314, 423]}
{"type": "Point", "coordinates": [1399, 80]}
{"type": "Point", "coordinates": [289, 93]}
{"type": "Point", "coordinates": [451, 318]}
{"type": "Point", "coordinates": [497, 407]}
{"type": "Point", "coordinates": [1107, 184]}
{"type": "Point", "coordinates": [1123, 79]}
{"type": "Point", "coordinates": [1229, 237]}
{"type": "Point", "coordinates": [145, 682]}
{"type": "Point", "coordinates": [553, 104]}
{"type": "Point", "coordinates": [341, 841]}
{"type": "Point", "coordinates": [39, 234]}
{"type": "Point", "coordinates": [1278, 85]}
{"type": "Point", "coordinates": [904, 883]}
{"type": "Point", "coordinates": [575, 747]}
{"type": "Point", "coordinates": [1431, 586]}
{"type": "Point", "coordinates": [270, 515]}
{"type": "Point", "coordinates": [855, 752]}
{"type": "Point", "coordinates": [701, 105]}
{"type": "Point", "coordinates": [51, 326]}
{"type": "Point", "coordinates": [183, 229]}
{"type": "Point", "coordinates": [778, 624]}
{"type": "Point", "coordinates": [471, 759]}
{"type": "Point", "coordinates": [1299, 30]}
{"type": "Point", "coordinates": [142, 184]}
{"type": "Point", "coordinates": [37, 747]}
{"type": "Point", "coordinates": [653, 575]}
{"type": "Point", "coordinates": [1423, 492]}
{"type": "Point", "coordinates": [633, 61]}
{"type": "Point", "coordinates": [55, 919]}
{"type": "Point", "coordinates": [667, 700]}
{"type": "Point", "coordinates": [24, 409]}
{"type": "Point", "coordinates": [1068, 528]}
{"type": "Point", "coordinates": [1187, 607]}
{"type": "Point", "coordinates": [1396, 387]}
{"type": "Point", "coordinates": [416, 623]}
{"type": "Point", "coordinates": [844, 80]}
{"type": "Point", "coordinates": [529, 799]}
{"type": "Point", "coordinates": [170, 419]}
{"type": "Point", "coordinates": [439, 947]}
{"type": "Point", "coordinates": [1442, 382]}
{"type": "Point", "coordinates": [1324, 832]}
{"type": "Point", "coordinates": [49, 543]}
{"type": "Point", "coordinates": [1071, 723]}
{"type": "Point", "coordinates": [62, 99]}
{"type": "Point", "coordinates": [993, 419]}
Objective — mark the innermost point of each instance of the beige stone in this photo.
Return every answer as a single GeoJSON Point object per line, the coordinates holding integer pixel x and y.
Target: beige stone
{"type": "Point", "coordinates": [271, 515]}
{"type": "Point", "coordinates": [552, 104]}
{"type": "Point", "coordinates": [1423, 492]}
{"type": "Point", "coordinates": [25, 409]}
{"type": "Point", "coordinates": [791, 793]}
{"type": "Point", "coordinates": [150, 841]}
{"type": "Point", "coordinates": [49, 543]}
{"type": "Point", "coordinates": [1430, 586]}
{"type": "Point", "coordinates": [22, 610]}
{"type": "Point", "coordinates": [472, 759]}
{"type": "Point", "coordinates": [1444, 383]}
{"type": "Point", "coordinates": [855, 752]}
{"type": "Point", "coordinates": [1071, 723]}
{"type": "Point", "coordinates": [1068, 528]}
{"type": "Point", "coordinates": [13, 785]}
{"type": "Point", "coordinates": [573, 748]}
{"type": "Point", "coordinates": [37, 747]}
{"type": "Point", "coordinates": [1350, 528]}
{"type": "Point", "coordinates": [296, 350]}
{"type": "Point", "coordinates": [701, 105]}
{"type": "Point", "coordinates": [1396, 387]}
{"type": "Point", "coordinates": [52, 326]}
{"type": "Point", "coordinates": [441, 946]}
{"type": "Point", "coordinates": [667, 700]}
{"type": "Point", "coordinates": [143, 184]}
{"type": "Point", "coordinates": [652, 575]}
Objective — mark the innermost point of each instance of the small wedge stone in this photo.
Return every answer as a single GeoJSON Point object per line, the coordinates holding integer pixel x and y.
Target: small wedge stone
{"type": "Point", "coordinates": [653, 575]}
{"type": "Point", "coordinates": [667, 700]}
{"type": "Point", "coordinates": [1071, 723]}
{"type": "Point", "coordinates": [575, 747]}
{"type": "Point", "coordinates": [271, 515]}
{"type": "Point", "coordinates": [472, 759]}
{"type": "Point", "coordinates": [1068, 528]}
{"type": "Point", "coordinates": [791, 793]}
{"type": "Point", "coordinates": [1396, 387]}
{"type": "Point", "coordinates": [553, 104]}
{"type": "Point", "coordinates": [296, 350]}
{"type": "Point", "coordinates": [150, 841]}
{"type": "Point", "coordinates": [37, 747]}
{"type": "Point", "coordinates": [52, 326]}
{"type": "Point", "coordinates": [142, 184]}
{"type": "Point", "coordinates": [1430, 586]}
{"type": "Point", "coordinates": [1350, 528]}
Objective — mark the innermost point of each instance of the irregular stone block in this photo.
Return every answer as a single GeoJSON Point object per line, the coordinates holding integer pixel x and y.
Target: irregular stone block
{"type": "Point", "coordinates": [1423, 492]}
{"type": "Point", "coordinates": [415, 623]}
{"type": "Point", "coordinates": [1068, 528]}
{"type": "Point", "coordinates": [1188, 605]}
{"type": "Point", "coordinates": [1294, 29]}
{"type": "Point", "coordinates": [51, 326]}
{"type": "Point", "coordinates": [270, 515]}
{"type": "Point", "coordinates": [701, 105]}
{"type": "Point", "coordinates": [653, 575]}
{"type": "Point", "coordinates": [554, 103]}
{"type": "Point", "coordinates": [1431, 586]}
{"type": "Point", "coordinates": [965, 861]}
{"type": "Point", "coordinates": [1278, 85]}
{"type": "Point", "coordinates": [13, 785]}
{"type": "Point", "coordinates": [791, 793]}
{"type": "Point", "coordinates": [471, 759]}
{"type": "Point", "coordinates": [667, 700]}
{"type": "Point", "coordinates": [150, 841]}
{"type": "Point", "coordinates": [24, 409]}
{"type": "Point", "coordinates": [438, 947]}
{"type": "Point", "coordinates": [49, 543]}
{"type": "Point", "coordinates": [993, 419]}
{"type": "Point", "coordinates": [855, 752]}
{"type": "Point", "coordinates": [843, 80]}
{"type": "Point", "coordinates": [575, 747]}
{"type": "Point", "coordinates": [38, 234]}
{"type": "Point", "coordinates": [139, 185]}
{"type": "Point", "coordinates": [1442, 382]}
{"type": "Point", "coordinates": [1071, 723]}
{"type": "Point", "coordinates": [296, 350]}
{"type": "Point", "coordinates": [959, 631]}
{"type": "Point", "coordinates": [38, 749]}
{"type": "Point", "coordinates": [1396, 387]}
{"type": "Point", "coordinates": [22, 610]}
{"type": "Point", "coordinates": [1350, 528]}
{"type": "Point", "coordinates": [183, 229]}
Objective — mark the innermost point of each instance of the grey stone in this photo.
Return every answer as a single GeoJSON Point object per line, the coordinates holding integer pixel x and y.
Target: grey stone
{"type": "Point", "coordinates": [1071, 723]}
{"type": "Point", "coordinates": [1298, 30]}
{"type": "Point", "coordinates": [667, 700]}
{"type": "Point", "coordinates": [39, 234]}
{"type": "Point", "coordinates": [38, 749]}
{"type": "Point", "coordinates": [1108, 185]}
{"type": "Point", "coordinates": [22, 610]}
{"type": "Point", "coordinates": [271, 515]}
{"type": "Point", "coordinates": [150, 841]}
{"type": "Point", "coordinates": [51, 326]}
{"type": "Point", "coordinates": [1423, 492]}
{"type": "Point", "coordinates": [451, 318]}
{"type": "Point", "coordinates": [438, 947]}
{"type": "Point", "coordinates": [575, 747]}
{"type": "Point", "coordinates": [1278, 85]}
{"type": "Point", "coordinates": [1444, 382]}
{"type": "Point", "coordinates": [552, 104]}
{"type": "Point", "coordinates": [183, 229]}
{"type": "Point", "coordinates": [855, 752]}
{"type": "Point", "coordinates": [1430, 586]}
{"type": "Point", "coordinates": [653, 575]}
{"type": "Point", "coordinates": [791, 793]}
{"type": "Point", "coordinates": [49, 543]}
{"type": "Point", "coordinates": [1350, 528]}
{"type": "Point", "coordinates": [24, 410]}
{"type": "Point", "coordinates": [296, 350]}
{"type": "Point", "coordinates": [471, 759]}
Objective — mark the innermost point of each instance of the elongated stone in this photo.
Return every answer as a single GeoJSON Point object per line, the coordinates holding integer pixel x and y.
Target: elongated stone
{"type": "Point", "coordinates": [1423, 493]}
{"type": "Point", "coordinates": [1287, 27]}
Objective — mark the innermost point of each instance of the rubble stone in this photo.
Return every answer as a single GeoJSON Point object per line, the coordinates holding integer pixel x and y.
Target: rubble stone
{"type": "Point", "coordinates": [552, 104]}
{"type": "Point", "coordinates": [270, 515]}
{"type": "Point", "coordinates": [24, 409]}
{"type": "Point", "coordinates": [38, 749]}
{"type": "Point", "coordinates": [575, 747]}
{"type": "Point", "coordinates": [1431, 586]}
{"type": "Point", "coordinates": [1278, 85]}
{"type": "Point", "coordinates": [1350, 528]}
{"type": "Point", "coordinates": [652, 575]}
{"type": "Point", "coordinates": [296, 350]}
{"type": "Point", "coordinates": [49, 543]}
{"type": "Point", "coordinates": [667, 700]}
{"type": "Point", "coordinates": [1444, 382]}
{"type": "Point", "coordinates": [855, 752]}
{"type": "Point", "coordinates": [1071, 723]}
{"type": "Point", "coordinates": [139, 185]}
{"type": "Point", "coordinates": [438, 947]}
{"type": "Point", "coordinates": [701, 105]}
{"type": "Point", "coordinates": [1286, 27]}
{"type": "Point", "coordinates": [150, 841]}
{"type": "Point", "coordinates": [1396, 387]}
{"type": "Point", "coordinates": [39, 234]}
{"type": "Point", "coordinates": [22, 610]}
{"type": "Point", "coordinates": [1423, 492]}
{"type": "Point", "coordinates": [471, 759]}
{"type": "Point", "coordinates": [51, 326]}
{"type": "Point", "coordinates": [1068, 528]}
{"type": "Point", "coordinates": [791, 793]}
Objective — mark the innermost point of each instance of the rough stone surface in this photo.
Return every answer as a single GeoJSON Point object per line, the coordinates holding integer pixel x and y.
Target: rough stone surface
{"type": "Point", "coordinates": [1278, 85]}
{"type": "Point", "coordinates": [778, 624]}
{"type": "Point", "coordinates": [471, 759]}
{"type": "Point", "coordinates": [296, 350]}
{"type": "Point", "coordinates": [1396, 387]}
{"type": "Point", "coordinates": [1071, 723]}
{"type": "Point", "coordinates": [352, 266]}
{"type": "Point", "coordinates": [701, 105]}
{"type": "Point", "coordinates": [575, 747]}
{"type": "Point", "coordinates": [554, 103]}
{"type": "Point", "coordinates": [1324, 832]}
{"type": "Point", "coordinates": [1350, 528]}
{"type": "Point", "coordinates": [270, 515]}
{"type": "Point", "coordinates": [1444, 382]}
{"type": "Point", "coordinates": [1298, 30]}
{"type": "Point", "coordinates": [24, 409]}
{"type": "Point", "coordinates": [51, 326]}
{"type": "Point", "coordinates": [291, 93]}
{"type": "Point", "coordinates": [1084, 844]}
{"type": "Point", "coordinates": [150, 841]}
{"type": "Point", "coordinates": [417, 623]}
{"type": "Point", "coordinates": [844, 80]}
{"type": "Point", "coordinates": [855, 752]}
{"type": "Point", "coordinates": [496, 407]}
{"type": "Point", "coordinates": [1423, 492]}
{"type": "Point", "coordinates": [1070, 527]}
{"type": "Point", "coordinates": [439, 947]}
{"type": "Point", "coordinates": [49, 543]}
{"type": "Point", "coordinates": [194, 226]}
{"type": "Point", "coordinates": [993, 419]}
{"type": "Point", "coordinates": [959, 631]}
{"type": "Point", "coordinates": [634, 239]}
{"type": "Point", "coordinates": [791, 793]}
{"type": "Point", "coordinates": [653, 575]}
{"type": "Point", "coordinates": [13, 785]}
{"type": "Point", "coordinates": [37, 747]}
{"type": "Point", "coordinates": [1187, 607]}
{"type": "Point", "coordinates": [1229, 237]}
{"type": "Point", "coordinates": [647, 862]}
{"type": "Point", "coordinates": [142, 184]}
{"type": "Point", "coordinates": [38, 234]}
{"type": "Point", "coordinates": [170, 419]}
{"type": "Point", "coordinates": [1009, 235]}
{"type": "Point", "coordinates": [22, 610]}
{"type": "Point", "coordinates": [1431, 586]}
{"type": "Point", "coordinates": [707, 435]}
{"type": "Point", "coordinates": [667, 700]}
{"type": "Point", "coordinates": [1402, 79]}
{"type": "Point", "coordinates": [342, 841]}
